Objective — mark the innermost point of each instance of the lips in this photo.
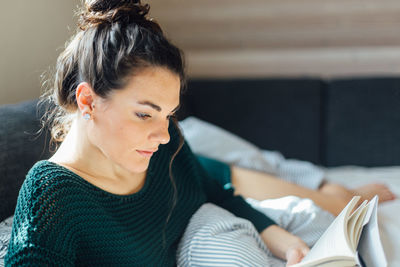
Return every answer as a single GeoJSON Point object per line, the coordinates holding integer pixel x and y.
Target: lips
{"type": "Point", "coordinates": [146, 153]}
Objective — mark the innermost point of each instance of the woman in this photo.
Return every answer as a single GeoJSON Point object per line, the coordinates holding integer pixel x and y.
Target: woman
{"type": "Point", "coordinates": [122, 186]}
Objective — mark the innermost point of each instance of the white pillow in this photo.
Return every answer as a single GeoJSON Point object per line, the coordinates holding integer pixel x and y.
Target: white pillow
{"type": "Point", "coordinates": [214, 142]}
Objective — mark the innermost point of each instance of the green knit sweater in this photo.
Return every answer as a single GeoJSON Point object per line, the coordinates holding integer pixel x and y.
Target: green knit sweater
{"type": "Point", "coordinates": [63, 220]}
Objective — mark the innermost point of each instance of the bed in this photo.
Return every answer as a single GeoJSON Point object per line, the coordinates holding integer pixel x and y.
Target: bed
{"type": "Point", "coordinates": [214, 142]}
{"type": "Point", "coordinates": [347, 128]}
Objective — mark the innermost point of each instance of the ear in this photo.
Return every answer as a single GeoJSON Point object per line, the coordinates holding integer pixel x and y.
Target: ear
{"type": "Point", "coordinates": [85, 96]}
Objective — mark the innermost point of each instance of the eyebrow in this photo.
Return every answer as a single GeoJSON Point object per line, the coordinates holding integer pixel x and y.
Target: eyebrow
{"type": "Point", "coordinates": [156, 107]}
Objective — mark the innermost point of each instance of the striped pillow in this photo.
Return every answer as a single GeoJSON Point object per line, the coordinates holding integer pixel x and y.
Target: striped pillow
{"type": "Point", "coordinates": [216, 237]}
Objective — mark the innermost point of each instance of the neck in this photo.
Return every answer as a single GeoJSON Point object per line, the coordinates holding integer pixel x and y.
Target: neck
{"type": "Point", "coordinates": [78, 154]}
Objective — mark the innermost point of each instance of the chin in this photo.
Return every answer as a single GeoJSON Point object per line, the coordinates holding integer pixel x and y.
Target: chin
{"type": "Point", "coordinates": [138, 167]}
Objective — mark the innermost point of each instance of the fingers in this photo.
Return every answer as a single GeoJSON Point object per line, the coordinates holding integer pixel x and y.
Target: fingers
{"type": "Point", "coordinates": [295, 255]}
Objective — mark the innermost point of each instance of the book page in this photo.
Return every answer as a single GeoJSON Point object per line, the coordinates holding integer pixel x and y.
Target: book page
{"type": "Point", "coordinates": [355, 224]}
{"type": "Point", "coordinates": [370, 246]}
{"type": "Point", "coordinates": [334, 242]}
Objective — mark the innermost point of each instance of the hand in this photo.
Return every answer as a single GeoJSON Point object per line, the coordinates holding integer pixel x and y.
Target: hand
{"type": "Point", "coordinates": [296, 253]}
{"type": "Point", "coordinates": [284, 245]}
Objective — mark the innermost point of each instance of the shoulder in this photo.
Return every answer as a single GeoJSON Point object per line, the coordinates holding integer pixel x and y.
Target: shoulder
{"type": "Point", "coordinates": [48, 186]}
{"type": "Point", "coordinates": [48, 197]}
{"type": "Point", "coordinates": [46, 175]}
{"type": "Point", "coordinates": [44, 216]}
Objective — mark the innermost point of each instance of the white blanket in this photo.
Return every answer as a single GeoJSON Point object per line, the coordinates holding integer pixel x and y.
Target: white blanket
{"type": "Point", "coordinates": [388, 212]}
{"type": "Point", "coordinates": [212, 141]}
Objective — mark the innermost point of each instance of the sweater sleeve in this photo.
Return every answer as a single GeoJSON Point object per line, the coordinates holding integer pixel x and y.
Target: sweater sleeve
{"type": "Point", "coordinates": [39, 233]}
{"type": "Point", "coordinates": [216, 177]}
{"type": "Point", "coordinates": [217, 170]}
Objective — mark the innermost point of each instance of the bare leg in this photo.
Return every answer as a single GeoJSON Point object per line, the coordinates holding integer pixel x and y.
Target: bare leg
{"type": "Point", "coordinates": [366, 192]}
{"type": "Point", "coordinates": [331, 197]}
{"type": "Point", "coordinates": [260, 186]}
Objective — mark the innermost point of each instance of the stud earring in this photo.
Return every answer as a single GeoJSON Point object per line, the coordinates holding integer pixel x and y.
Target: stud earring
{"type": "Point", "coordinates": [87, 116]}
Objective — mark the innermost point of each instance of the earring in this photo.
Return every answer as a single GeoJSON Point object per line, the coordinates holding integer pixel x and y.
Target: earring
{"type": "Point", "coordinates": [87, 116]}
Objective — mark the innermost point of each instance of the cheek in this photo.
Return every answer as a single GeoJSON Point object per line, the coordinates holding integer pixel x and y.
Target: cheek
{"type": "Point", "coordinates": [117, 137]}
{"type": "Point", "coordinates": [106, 129]}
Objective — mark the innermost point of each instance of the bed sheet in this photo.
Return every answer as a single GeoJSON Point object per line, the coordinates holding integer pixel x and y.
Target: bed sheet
{"type": "Point", "coordinates": [388, 212]}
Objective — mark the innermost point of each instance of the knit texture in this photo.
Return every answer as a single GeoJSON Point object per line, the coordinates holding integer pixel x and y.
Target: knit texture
{"type": "Point", "coordinates": [63, 220]}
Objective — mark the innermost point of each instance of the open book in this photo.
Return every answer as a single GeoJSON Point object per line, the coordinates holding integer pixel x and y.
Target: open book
{"type": "Point", "coordinates": [351, 240]}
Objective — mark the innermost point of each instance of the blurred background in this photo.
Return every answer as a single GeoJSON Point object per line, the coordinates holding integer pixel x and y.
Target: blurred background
{"type": "Point", "coordinates": [221, 39]}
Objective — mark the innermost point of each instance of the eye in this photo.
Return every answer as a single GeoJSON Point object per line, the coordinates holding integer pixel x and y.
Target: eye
{"type": "Point", "coordinates": [142, 116]}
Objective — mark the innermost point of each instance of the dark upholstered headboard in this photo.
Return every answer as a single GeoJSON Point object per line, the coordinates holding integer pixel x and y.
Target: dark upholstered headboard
{"type": "Point", "coordinates": [337, 122]}
{"type": "Point", "coordinates": [20, 148]}
{"type": "Point", "coordinates": [328, 122]}
{"type": "Point", "coordinates": [277, 114]}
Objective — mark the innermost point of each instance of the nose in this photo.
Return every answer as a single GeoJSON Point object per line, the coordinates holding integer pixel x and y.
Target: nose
{"type": "Point", "coordinates": [161, 134]}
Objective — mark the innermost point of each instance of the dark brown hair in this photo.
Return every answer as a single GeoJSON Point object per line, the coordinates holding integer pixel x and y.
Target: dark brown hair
{"type": "Point", "coordinates": [115, 39]}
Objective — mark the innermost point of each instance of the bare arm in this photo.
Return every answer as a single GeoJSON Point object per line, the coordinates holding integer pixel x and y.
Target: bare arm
{"type": "Point", "coordinates": [284, 245]}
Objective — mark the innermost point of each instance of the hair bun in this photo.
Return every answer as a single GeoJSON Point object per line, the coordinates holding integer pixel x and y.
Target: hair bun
{"type": "Point", "coordinates": [112, 11]}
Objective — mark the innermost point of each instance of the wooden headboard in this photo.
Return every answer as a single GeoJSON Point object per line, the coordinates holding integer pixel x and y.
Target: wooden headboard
{"type": "Point", "coordinates": [260, 38]}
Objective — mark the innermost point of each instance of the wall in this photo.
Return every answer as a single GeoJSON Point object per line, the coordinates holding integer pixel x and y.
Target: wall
{"type": "Point", "coordinates": [221, 38]}
{"type": "Point", "coordinates": [32, 35]}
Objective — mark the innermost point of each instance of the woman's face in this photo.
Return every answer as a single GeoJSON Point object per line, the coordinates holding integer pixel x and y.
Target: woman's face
{"type": "Point", "coordinates": [132, 122]}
